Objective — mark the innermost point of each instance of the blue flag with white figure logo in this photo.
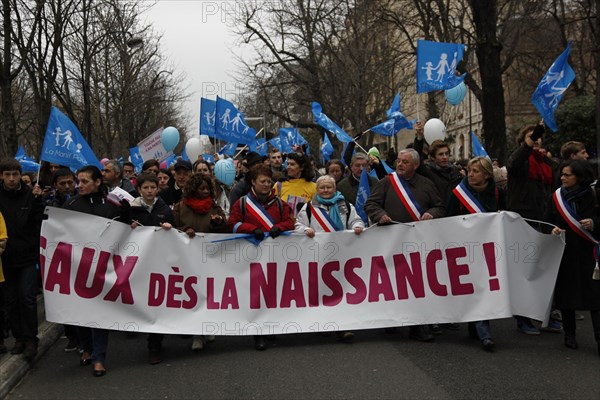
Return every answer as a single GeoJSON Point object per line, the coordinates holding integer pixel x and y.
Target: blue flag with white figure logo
{"type": "Point", "coordinates": [325, 122]}
{"type": "Point", "coordinates": [364, 191]}
{"type": "Point", "coordinates": [259, 146]}
{"type": "Point", "coordinates": [230, 124]}
{"type": "Point", "coordinates": [28, 164]}
{"type": "Point", "coordinates": [436, 65]}
{"type": "Point", "coordinates": [553, 85]}
{"type": "Point", "coordinates": [208, 158]}
{"type": "Point", "coordinates": [478, 150]}
{"type": "Point", "coordinates": [136, 158]}
{"type": "Point", "coordinates": [326, 147]}
{"type": "Point", "coordinates": [290, 138]}
{"type": "Point", "coordinates": [228, 149]}
{"type": "Point", "coordinates": [208, 115]}
{"type": "Point", "coordinates": [396, 120]}
{"type": "Point", "coordinates": [64, 145]}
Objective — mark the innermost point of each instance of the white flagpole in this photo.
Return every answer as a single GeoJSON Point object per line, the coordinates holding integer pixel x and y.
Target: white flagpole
{"type": "Point", "coordinates": [245, 146]}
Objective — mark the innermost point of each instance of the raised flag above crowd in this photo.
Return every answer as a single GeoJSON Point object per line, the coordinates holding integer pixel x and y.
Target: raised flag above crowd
{"type": "Point", "coordinates": [325, 122]}
{"type": "Point", "coordinates": [436, 65]}
{"type": "Point", "coordinates": [551, 88]}
{"type": "Point", "coordinates": [230, 124]}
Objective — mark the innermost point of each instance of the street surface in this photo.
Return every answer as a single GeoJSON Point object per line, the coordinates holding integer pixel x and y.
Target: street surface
{"type": "Point", "coordinates": [311, 366]}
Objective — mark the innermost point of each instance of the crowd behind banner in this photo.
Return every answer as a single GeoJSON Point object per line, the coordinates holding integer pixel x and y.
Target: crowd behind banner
{"type": "Point", "coordinates": [281, 193]}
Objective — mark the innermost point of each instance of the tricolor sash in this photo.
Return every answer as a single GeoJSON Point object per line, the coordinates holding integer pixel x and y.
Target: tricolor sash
{"type": "Point", "coordinates": [403, 192]}
{"type": "Point", "coordinates": [323, 219]}
{"type": "Point", "coordinates": [572, 219]}
{"type": "Point", "coordinates": [254, 208]}
{"type": "Point", "coordinates": [464, 195]}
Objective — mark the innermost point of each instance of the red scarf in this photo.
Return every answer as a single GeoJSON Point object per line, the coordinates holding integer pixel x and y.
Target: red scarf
{"type": "Point", "coordinates": [539, 170]}
{"type": "Point", "coordinates": [199, 206]}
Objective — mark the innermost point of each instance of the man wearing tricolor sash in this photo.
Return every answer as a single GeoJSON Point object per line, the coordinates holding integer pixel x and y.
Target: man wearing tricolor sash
{"type": "Point", "coordinates": [573, 209]}
{"type": "Point", "coordinates": [405, 196]}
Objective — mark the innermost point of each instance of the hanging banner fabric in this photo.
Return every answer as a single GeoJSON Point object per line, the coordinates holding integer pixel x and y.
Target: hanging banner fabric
{"type": "Point", "coordinates": [102, 273]}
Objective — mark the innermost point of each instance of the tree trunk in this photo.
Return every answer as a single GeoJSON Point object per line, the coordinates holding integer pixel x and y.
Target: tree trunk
{"type": "Point", "coordinates": [8, 126]}
{"type": "Point", "coordinates": [597, 60]}
{"type": "Point", "coordinates": [488, 49]}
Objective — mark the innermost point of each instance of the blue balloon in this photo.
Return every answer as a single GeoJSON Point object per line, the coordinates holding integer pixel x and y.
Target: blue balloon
{"type": "Point", "coordinates": [225, 171]}
{"type": "Point", "coordinates": [456, 94]}
{"type": "Point", "coordinates": [169, 138]}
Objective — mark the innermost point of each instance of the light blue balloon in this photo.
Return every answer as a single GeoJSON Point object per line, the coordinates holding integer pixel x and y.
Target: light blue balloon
{"type": "Point", "coordinates": [225, 171]}
{"type": "Point", "coordinates": [456, 94]}
{"type": "Point", "coordinates": [169, 138]}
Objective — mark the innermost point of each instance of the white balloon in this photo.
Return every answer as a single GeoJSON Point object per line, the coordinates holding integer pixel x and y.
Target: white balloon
{"type": "Point", "coordinates": [193, 148]}
{"type": "Point", "coordinates": [434, 130]}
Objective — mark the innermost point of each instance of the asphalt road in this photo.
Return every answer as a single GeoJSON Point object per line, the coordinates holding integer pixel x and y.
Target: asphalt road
{"type": "Point", "coordinates": [311, 366]}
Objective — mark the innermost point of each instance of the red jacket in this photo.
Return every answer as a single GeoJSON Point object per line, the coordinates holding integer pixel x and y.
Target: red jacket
{"type": "Point", "coordinates": [244, 222]}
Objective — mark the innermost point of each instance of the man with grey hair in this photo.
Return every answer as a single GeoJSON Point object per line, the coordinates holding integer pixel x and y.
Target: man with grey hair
{"type": "Point", "coordinates": [112, 175]}
{"type": "Point", "coordinates": [405, 196]}
{"type": "Point", "coordinates": [348, 186]}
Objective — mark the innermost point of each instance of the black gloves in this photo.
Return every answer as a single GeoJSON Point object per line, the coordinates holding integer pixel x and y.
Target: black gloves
{"type": "Point", "coordinates": [274, 232]}
{"type": "Point", "coordinates": [258, 234]}
{"type": "Point", "coordinates": [538, 132]}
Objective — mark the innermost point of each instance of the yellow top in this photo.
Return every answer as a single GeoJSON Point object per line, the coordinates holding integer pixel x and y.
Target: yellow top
{"type": "Point", "coordinates": [296, 191]}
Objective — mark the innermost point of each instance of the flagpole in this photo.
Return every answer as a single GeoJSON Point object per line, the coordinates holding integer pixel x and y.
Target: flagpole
{"type": "Point", "coordinates": [245, 146]}
{"type": "Point", "coordinates": [418, 118]}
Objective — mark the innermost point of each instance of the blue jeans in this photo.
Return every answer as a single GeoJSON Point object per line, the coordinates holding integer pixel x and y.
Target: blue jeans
{"type": "Point", "coordinates": [21, 304]}
{"type": "Point", "coordinates": [94, 341]}
{"type": "Point", "coordinates": [483, 329]}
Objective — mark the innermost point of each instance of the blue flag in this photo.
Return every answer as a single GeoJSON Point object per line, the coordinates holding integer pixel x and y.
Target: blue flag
{"type": "Point", "coordinates": [208, 113]}
{"type": "Point", "coordinates": [552, 87]}
{"type": "Point", "coordinates": [290, 137]}
{"type": "Point", "coordinates": [231, 125]}
{"type": "Point", "coordinates": [396, 120]}
{"type": "Point", "coordinates": [387, 168]}
{"type": "Point", "coordinates": [326, 147]}
{"type": "Point", "coordinates": [228, 149]}
{"type": "Point", "coordinates": [436, 65]}
{"type": "Point", "coordinates": [136, 158]}
{"type": "Point", "coordinates": [478, 149]}
{"type": "Point", "coordinates": [328, 124]}
{"type": "Point", "coordinates": [259, 146]}
{"type": "Point", "coordinates": [64, 145]}
{"type": "Point", "coordinates": [184, 155]}
{"type": "Point", "coordinates": [276, 143]}
{"type": "Point", "coordinates": [364, 191]}
{"type": "Point", "coordinates": [172, 159]}
{"type": "Point", "coordinates": [28, 164]}
{"type": "Point", "coordinates": [208, 158]}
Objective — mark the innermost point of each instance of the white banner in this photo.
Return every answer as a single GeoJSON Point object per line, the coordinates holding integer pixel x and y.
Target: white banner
{"type": "Point", "coordinates": [102, 273]}
{"type": "Point", "coordinates": [152, 148]}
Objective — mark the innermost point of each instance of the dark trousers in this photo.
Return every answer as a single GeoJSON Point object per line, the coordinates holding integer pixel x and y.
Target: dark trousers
{"type": "Point", "coordinates": [20, 291]}
{"type": "Point", "coordinates": [570, 325]}
{"type": "Point", "coordinates": [93, 341]}
{"type": "Point", "coordinates": [3, 324]}
{"type": "Point", "coordinates": [155, 341]}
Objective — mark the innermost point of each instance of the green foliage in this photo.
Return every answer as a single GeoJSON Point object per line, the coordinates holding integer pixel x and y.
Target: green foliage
{"type": "Point", "coordinates": [576, 120]}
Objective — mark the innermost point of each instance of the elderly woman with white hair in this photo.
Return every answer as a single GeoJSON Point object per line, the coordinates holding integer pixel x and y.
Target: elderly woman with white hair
{"type": "Point", "coordinates": [328, 211]}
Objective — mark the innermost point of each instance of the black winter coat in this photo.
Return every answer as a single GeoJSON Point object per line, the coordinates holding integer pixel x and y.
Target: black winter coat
{"type": "Point", "coordinates": [95, 204]}
{"type": "Point", "coordinates": [23, 213]}
{"type": "Point", "coordinates": [160, 213]}
{"type": "Point", "coordinates": [575, 289]}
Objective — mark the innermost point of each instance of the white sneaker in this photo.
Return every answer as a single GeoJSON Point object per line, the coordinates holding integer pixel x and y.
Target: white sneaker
{"type": "Point", "coordinates": [209, 338]}
{"type": "Point", "coordinates": [198, 343]}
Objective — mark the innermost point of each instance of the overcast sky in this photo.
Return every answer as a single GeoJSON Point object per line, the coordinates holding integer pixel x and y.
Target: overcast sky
{"type": "Point", "coordinates": [198, 40]}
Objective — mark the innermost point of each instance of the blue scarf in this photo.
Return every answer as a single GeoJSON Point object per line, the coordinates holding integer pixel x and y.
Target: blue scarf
{"type": "Point", "coordinates": [334, 211]}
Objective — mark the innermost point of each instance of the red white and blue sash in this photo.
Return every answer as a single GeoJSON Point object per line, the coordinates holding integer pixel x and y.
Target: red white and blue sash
{"type": "Point", "coordinates": [403, 192]}
{"type": "Point", "coordinates": [572, 219]}
{"type": "Point", "coordinates": [464, 195]}
{"type": "Point", "coordinates": [255, 209]}
{"type": "Point", "coordinates": [322, 217]}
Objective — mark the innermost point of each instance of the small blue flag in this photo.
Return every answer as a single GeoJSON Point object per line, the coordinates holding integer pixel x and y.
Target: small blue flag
{"type": "Point", "coordinates": [436, 65]}
{"type": "Point", "coordinates": [136, 159]}
{"type": "Point", "coordinates": [364, 191]}
{"type": "Point", "coordinates": [328, 124]}
{"type": "Point", "coordinates": [20, 153]}
{"type": "Point", "coordinates": [208, 113]}
{"type": "Point", "coordinates": [396, 120]}
{"type": "Point", "coordinates": [387, 168]}
{"type": "Point", "coordinates": [184, 155]}
{"type": "Point", "coordinates": [208, 158]}
{"type": "Point", "coordinates": [228, 149]}
{"type": "Point", "coordinates": [28, 164]}
{"type": "Point", "coordinates": [326, 147]}
{"type": "Point", "coordinates": [290, 137]}
{"type": "Point", "coordinates": [373, 174]}
{"type": "Point", "coordinates": [231, 125]}
{"type": "Point", "coordinates": [64, 145]}
{"type": "Point", "coordinates": [259, 146]}
{"type": "Point", "coordinates": [550, 90]}
{"type": "Point", "coordinates": [172, 159]}
{"type": "Point", "coordinates": [478, 149]}
{"type": "Point", "coordinates": [276, 143]}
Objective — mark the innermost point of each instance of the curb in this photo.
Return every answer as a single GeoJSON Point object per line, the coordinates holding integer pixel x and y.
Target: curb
{"type": "Point", "coordinates": [16, 367]}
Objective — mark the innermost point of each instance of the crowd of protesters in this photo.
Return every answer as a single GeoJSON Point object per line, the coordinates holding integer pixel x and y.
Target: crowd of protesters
{"type": "Point", "coordinates": [288, 188]}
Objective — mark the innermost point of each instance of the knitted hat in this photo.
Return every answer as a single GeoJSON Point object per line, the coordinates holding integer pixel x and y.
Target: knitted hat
{"type": "Point", "coordinates": [374, 152]}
